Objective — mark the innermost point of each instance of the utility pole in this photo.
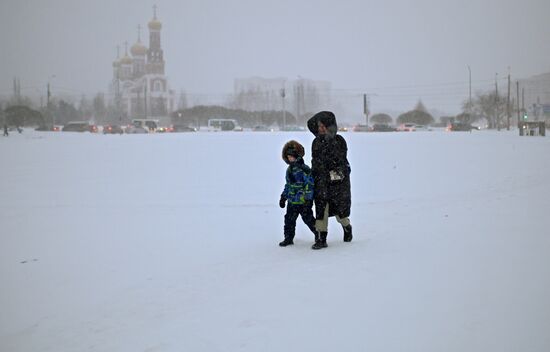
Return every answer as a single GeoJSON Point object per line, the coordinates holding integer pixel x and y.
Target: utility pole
{"type": "Point", "coordinates": [366, 108]}
{"type": "Point", "coordinates": [17, 89]}
{"type": "Point", "coordinates": [508, 113]}
{"type": "Point", "coordinates": [48, 103]}
{"type": "Point", "coordinates": [138, 105]}
{"type": "Point", "coordinates": [517, 103]}
{"type": "Point", "coordinates": [145, 102]}
{"type": "Point", "coordinates": [48, 96]}
{"type": "Point", "coordinates": [537, 109]}
{"type": "Point", "coordinates": [497, 119]}
{"type": "Point", "coordinates": [470, 81]}
{"type": "Point", "coordinates": [49, 93]}
{"type": "Point", "coordinates": [283, 94]}
{"type": "Point", "coordinates": [300, 102]}
{"type": "Point", "coordinates": [145, 96]}
{"type": "Point", "coordinates": [523, 100]}
{"type": "Point", "coordinates": [117, 84]}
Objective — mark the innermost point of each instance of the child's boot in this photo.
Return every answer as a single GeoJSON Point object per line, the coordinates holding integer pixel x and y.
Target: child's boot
{"type": "Point", "coordinates": [287, 242]}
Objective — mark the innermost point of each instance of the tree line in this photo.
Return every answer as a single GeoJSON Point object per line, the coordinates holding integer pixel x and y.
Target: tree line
{"type": "Point", "coordinates": [486, 106]}
{"type": "Point", "coordinates": [20, 112]}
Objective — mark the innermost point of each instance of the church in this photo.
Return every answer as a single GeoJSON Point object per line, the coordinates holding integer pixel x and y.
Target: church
{"type": "Point", "coordinates": [139, 88]}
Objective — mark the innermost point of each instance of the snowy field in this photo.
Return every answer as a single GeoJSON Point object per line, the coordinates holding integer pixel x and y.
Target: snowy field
{"type": "Point", "coordinates": [169, 243]}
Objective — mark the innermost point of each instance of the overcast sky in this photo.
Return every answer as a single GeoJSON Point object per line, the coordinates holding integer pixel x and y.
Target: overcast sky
{"type": "Point", "coordinates": [400, 50]}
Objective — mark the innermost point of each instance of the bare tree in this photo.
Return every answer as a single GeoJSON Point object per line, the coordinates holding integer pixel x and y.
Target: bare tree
{"type": "Point", "coordinates": [99, 109]}
{"type": "Point", "coordinates": [85, 108]}
{"type": "Point", "coordinates": [489, 106]}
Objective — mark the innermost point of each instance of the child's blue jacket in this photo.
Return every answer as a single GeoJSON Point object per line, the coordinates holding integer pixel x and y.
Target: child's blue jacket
{"type": "Point", "coordinates": [299, 183]}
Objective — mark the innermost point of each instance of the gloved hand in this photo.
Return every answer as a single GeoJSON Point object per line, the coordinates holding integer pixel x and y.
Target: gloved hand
{"type": "Point", "coordinates": [336, 175]}
{"type": "Point", "coordinates": [282, 202]}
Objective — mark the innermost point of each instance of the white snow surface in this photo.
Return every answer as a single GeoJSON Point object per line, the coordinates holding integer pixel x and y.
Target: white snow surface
{"type": "Point", "coordinates": [169, 242]}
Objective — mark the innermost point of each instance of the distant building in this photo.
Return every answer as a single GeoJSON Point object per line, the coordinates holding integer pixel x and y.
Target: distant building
{"type": "Point", "coordinates": [257, 93]}
{"type": "Point", "coordinates": [301, 96]}
{"type": "Point", "coordinates": [536, 91]}
{"type": "Point", "coordinates": [139, 87]}
{"type": "Point", "coordinates": [310, 96]}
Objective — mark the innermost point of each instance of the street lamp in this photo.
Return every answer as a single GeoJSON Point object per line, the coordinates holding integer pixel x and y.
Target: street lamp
{"type": "Point", "coordinates": [49, 92]}
{"type": "Point", "coordinates": [470, 81]}
{"type": "Point", "coordinates": [283, 94]}
{"type": "Point", "coordinates": [366, 103]}
{"type": "Point", "coordinates": [48, 107]}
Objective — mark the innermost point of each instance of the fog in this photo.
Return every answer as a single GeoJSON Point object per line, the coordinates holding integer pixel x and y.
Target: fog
{"type": "Point", "coordinates": [397, 51]}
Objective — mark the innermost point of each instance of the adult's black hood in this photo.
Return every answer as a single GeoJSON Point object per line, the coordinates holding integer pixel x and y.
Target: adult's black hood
{"type": "Point", "coordinates": [327, 118]}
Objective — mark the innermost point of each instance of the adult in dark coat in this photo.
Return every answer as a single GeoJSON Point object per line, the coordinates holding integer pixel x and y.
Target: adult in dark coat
{"type": "Point", "coordinates": [331, 173]}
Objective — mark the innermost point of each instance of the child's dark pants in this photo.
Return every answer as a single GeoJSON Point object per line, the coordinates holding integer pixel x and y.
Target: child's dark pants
{"type": "Point", "coordinates": [292, 212]}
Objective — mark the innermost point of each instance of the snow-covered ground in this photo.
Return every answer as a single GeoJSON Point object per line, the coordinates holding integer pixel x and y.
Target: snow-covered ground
{"type": "Point", "coordinates": [169, 243]}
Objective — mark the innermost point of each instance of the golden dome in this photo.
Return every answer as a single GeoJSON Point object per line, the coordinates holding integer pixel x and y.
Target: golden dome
{"type": "Point", "coordinates": [138, 49]}
{"type": "Point", "coordinates": [126, 60]}
{"type": "Point", "coordinates": [155, 24]}
{"type": "Point", "coordinates": [116, 63]}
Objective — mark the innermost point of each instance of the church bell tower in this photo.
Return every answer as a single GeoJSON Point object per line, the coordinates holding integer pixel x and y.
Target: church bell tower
{"type": "Point", "coordinates": [155, 59]}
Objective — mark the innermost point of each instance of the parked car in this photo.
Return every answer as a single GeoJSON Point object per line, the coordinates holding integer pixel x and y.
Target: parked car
{"type": "Point", "coordinates": [407, 127]}
{"type": "Point", "coordinates": [261, 128]}
{"type": "Point", "coordinates": [131, 129]}
{"type": "Point", "coordinates": [79, 126]}
{"type": "Point", "coordinates": [48, 128]}
{"type": "Point", "coordinates": [382, 127]}
{"type": "Point", "coordinates": [460, 126]}
{"type": "Point", "coordinates": [422, 128]}
{"type": "Point", "coordinates": [112, 129]}
{"type": "Point", "coordinates": [151, 125]}
{"type": "Point", "coordinates": [361, 128]}
{"type": "Point", "coordinates": [183, 128]}
{"type": "Point", "coordinates": [292, 128]}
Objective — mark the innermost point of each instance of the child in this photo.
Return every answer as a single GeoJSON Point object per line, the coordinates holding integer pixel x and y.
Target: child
{"type": "Point", "coordinates": [298, 192]}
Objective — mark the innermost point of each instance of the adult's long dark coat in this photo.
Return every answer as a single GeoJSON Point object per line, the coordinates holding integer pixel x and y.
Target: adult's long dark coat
{"type": "Point", "coordinates": [329, 153]}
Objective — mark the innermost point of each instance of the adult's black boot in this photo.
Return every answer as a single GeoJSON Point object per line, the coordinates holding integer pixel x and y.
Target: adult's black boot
{"type": "Point", "coordinates": [317, 240]}
{"type": "Point", "coordinates": [347, 233]}
{"type": "Point", "coordinates": [287, 242]}
{"type": "Point", "coordinates": [320, 241]}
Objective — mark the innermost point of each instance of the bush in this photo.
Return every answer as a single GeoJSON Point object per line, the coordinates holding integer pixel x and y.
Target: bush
{"type": "Point", "coordinates": [381, 118]}
{"type": "Point", "coordinates": [19, 115]}
{"type": "Point", "coordinates": [417, 117]}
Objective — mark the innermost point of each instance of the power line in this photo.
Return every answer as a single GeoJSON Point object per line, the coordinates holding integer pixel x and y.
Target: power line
{"type": "Point", "coordinates": [466, 83]}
